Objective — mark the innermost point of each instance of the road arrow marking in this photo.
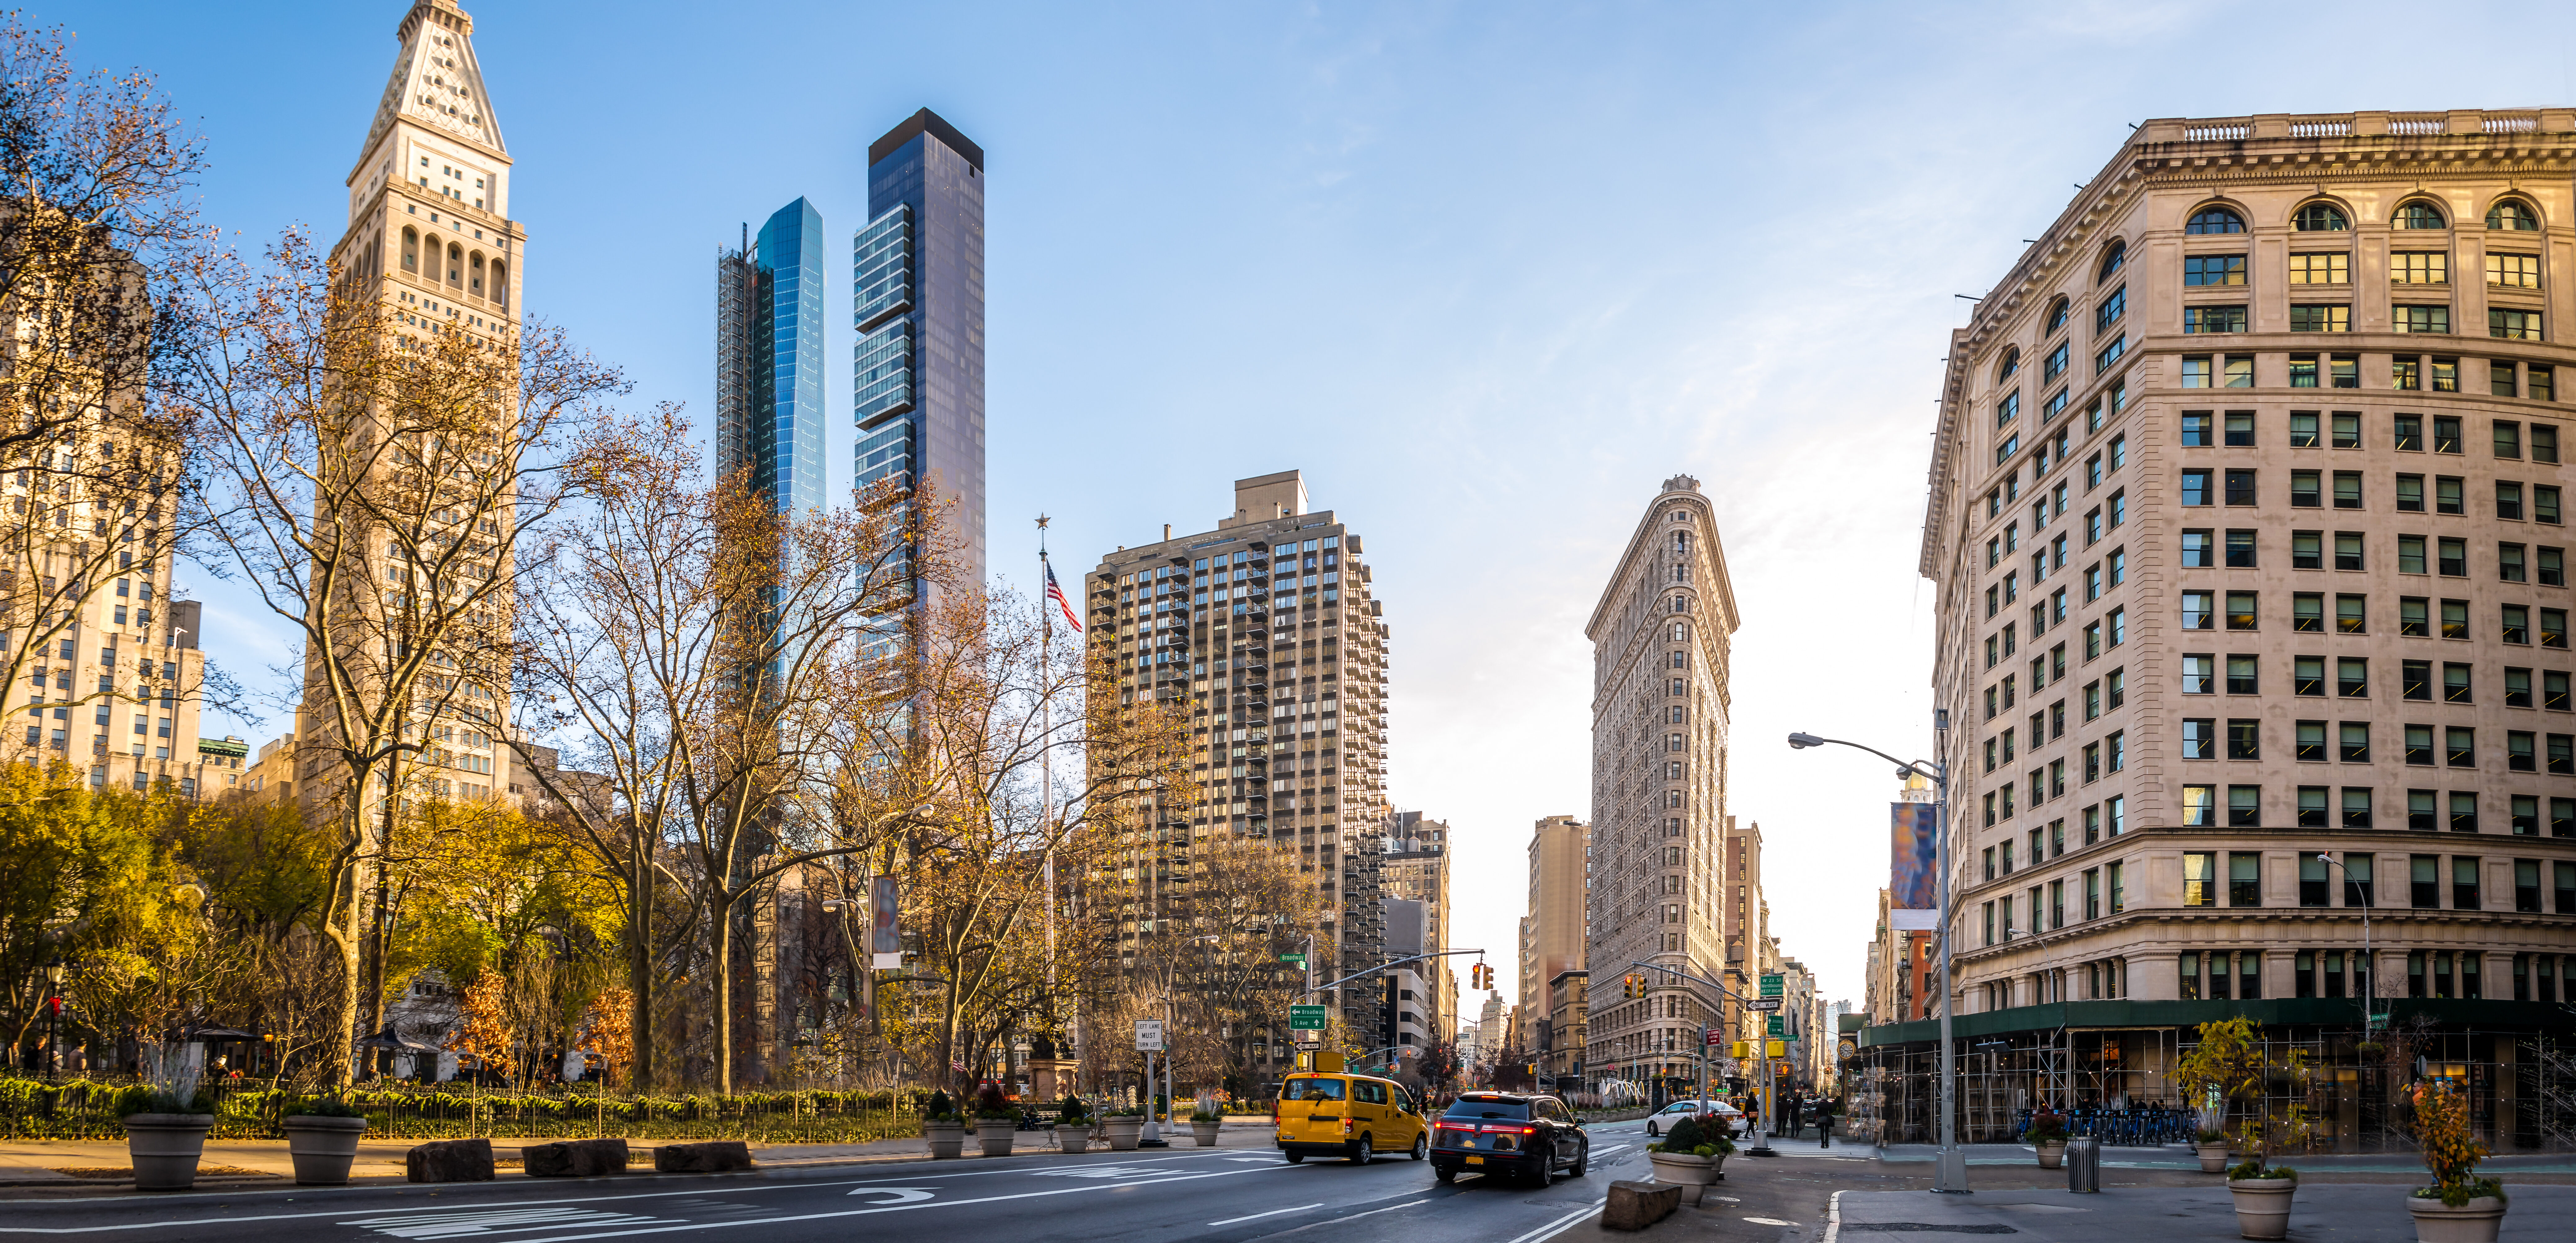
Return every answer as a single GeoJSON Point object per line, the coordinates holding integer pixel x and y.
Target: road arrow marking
{"type": "Point", "coordinates": [902, 1195]}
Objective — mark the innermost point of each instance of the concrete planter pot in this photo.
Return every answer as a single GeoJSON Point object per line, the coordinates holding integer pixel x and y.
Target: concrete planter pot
{"type": "Point", "coordinates": [2262, 1206]}
{"type": "Point", "coordinates": [2052, 1153]}
{"type": "Point", "coordinates": [1691, 1173]}
{"type": "Point", "coordinates": [947, 1139]}
{"type": "Point", "coordinates": [2474, 1222]}
{"type": "Point", "coordinates": [164, 1149]}
{"type": "Point", "coordinates": [994, 1135]}
{"type": "Point", "coordinates": [1204, 1132]}
{"type": "Point", "coordinates": [1073, 1137]}
{"type": "Point", "coordinates": [2213, 1158]}
{"type": "Point", "coordinates": [1123, 1131]}
{"type": "Point", "coordinates": [322, 1148]}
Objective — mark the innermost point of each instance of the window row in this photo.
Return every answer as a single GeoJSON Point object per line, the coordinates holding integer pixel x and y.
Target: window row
{"type": "Point", "coordinates": [2242, 739]}
{"type": "Point", "coordinates": [2206, 673]}
{"type": "Point", "coordinates": [2094, 893]}
{"type": "Point", "coordinates": [2448, 494]}
{"type": "Point", "coordinates": [2508, 214]}
{"type": "Point", "coordinates": [2408, 372]}
{"type": "Point", "coordinates": [2203, 610]}
{"type": "Point", "coordinates": [2202, 548]}
{"type": "Point", "coordinates": [2430, 879]}
{"type": "Point", "coordinates": [2240, 429]}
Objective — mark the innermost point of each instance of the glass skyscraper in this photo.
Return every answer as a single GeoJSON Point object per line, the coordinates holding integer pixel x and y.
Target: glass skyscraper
{"type": "Point", "coordinates": [769, 359]}
{"type": "Point", "coordinates": [917, 272]}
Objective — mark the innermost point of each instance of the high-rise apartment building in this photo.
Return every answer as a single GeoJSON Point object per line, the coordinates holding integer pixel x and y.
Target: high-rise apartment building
{"type": "Point", "coordinates": [2247, 512]}
{"type": "Point", "coordinates": [1551, 932]}
{"type": "Point", "coordinates": [769, 360]}
{"type": "Point", "coordinates": [917, 276]}
{"type": "Point", "coordinates": [1660, 637]}
{"type": "Point", "coordinates": [1265, 633]}
{"type": "Point", "coordinates": [1415, 868]}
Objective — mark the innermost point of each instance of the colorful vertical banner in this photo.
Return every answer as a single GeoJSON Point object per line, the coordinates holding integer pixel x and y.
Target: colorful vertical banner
{"type": "Point", "coordinates": [885, 934]}
{"type": "Point", "coordinates": [1913, 860]}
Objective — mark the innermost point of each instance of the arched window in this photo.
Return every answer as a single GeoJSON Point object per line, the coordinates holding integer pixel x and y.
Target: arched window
{"type": "Point", "coordinates": [475, 278]}
{"type": "Point", "coordinates": [455, 266]}
{"type": "Point", "coordinates": [2513, 214]}
{"type": "Point", "coordinates": [411, 250]}
{"type": "Point", "coordinates": [501, 284]}
{"type": "Point", "coordinates": [2214, 219]}
{"type": "Point", "coordinates": [2057, 314]}
{"type": "Point", "coordinates": [2010, 366]}
{"type": "Point", "coordinates": [2320, 218]}
{"type": "Point", "coordinates": [2420, 215]}
{"type": "Point", "coordinates": [2113, 261]}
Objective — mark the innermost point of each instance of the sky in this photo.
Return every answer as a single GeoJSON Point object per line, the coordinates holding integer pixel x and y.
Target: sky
{"type": "Point", "coordinates": [1486, 273]}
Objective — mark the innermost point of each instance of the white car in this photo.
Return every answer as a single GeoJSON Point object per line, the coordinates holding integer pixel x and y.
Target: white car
{"type": "Point", "coordinates": [1663, 1119]}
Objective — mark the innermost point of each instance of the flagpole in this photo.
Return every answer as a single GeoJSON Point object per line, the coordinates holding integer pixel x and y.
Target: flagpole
{"type": "Point", "coordinates": [1046, 736]}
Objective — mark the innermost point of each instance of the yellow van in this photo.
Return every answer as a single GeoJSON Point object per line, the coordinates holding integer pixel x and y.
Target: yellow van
{"type": "Point", "coordinates": [1354, 1117]}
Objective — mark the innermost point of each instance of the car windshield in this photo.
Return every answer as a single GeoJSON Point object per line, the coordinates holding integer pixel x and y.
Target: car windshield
{"type": "Point", "coordinates": [1507, 1111]}
{"type": "Point", "coordinates": [1312, 1090]}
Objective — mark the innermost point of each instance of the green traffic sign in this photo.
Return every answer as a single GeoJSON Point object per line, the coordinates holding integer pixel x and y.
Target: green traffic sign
{"type": "Point", "coordinates": [1305, 1018]}
{"type": "Point", "coordinates": [1771, 986]}
{"type": "Point", "coordinates": [1297, 959]}
{"type": "Point", "coordinates": [1777, 1027]}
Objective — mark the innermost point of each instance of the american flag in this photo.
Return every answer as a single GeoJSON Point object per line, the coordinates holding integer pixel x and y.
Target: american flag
{"type": "Point", "coordinates": [1056, 593]}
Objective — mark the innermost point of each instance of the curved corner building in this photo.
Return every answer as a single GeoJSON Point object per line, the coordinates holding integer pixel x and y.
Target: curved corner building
{"type": "Point", "coordinates": [2248, 514]}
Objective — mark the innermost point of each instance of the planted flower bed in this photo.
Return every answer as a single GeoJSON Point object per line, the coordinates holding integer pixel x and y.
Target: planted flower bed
{"type": "Point", "coordinates": [84, 1109]}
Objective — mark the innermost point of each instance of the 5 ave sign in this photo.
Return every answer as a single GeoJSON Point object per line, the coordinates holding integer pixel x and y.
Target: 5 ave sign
{"type": "Point", "coordinates": [1305, 1018]}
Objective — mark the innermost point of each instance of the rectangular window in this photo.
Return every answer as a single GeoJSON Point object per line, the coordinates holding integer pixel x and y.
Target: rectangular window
{"type": "Point", "coordinates": [2350, 614]}
{"type": "Point", "coordinates": [2196, 371]}
{"type": "Point", "coordinates": [2308, 676]}
{"type": "Point", "coordinates": [2244, 739]}
{"type": "Point", "coordinates": [2356, 812]}
{"type": "Point", "coordinates": [2198, 610]}
{"type": "Point", "coordinates": [2464, 883]}
{"type": "Point", "coordinates": [2451, 557]}
{"type": "Point", "coordinates": [2347, 550]}
{"type": "Point", "coordinates": [2309, 745]}
{"type": "Point", "coordinates": [2508, 496]}
{"type": "Point", "coordinates": [2419, 267]}
{"type": "Point", "coordinates": [2312, 815]}
{"type": "Point", "coordinates": [2415, 680]}
{"type": "Point", "coordinates": [2240, 487]}
{"type": "Point", "coordinates": [2500, 380]}
{"type": "Point", "coordinates": [2455, 619]}
{"type": "Point", "coordinates": [2307, 608]}
{"type": "Point", "coordinates": [2306, 490]}
{"type": "Point", "coordinates": [2508, 438]}
{"type": "Point", "coordinates": [2464, 811]}
{"type": "Point", "coordinates": [2244, 877]}
{"type": "Point", "coordinates": [2344, 370]}
{"type": "Point", "coordinates": [2213, 270]}
{"type": "Point", "coordinates": [2553, 690]}
{"type": "Point", "coordinates": [2509, 563]}
{"type": "Point", "coordinates": [2321, 268]}
{"type": "Point", "coordinates": [2199, 807]}
{"type": "Point", "coordinates": [2196, 549]}
{"type": "Point", "coordinates": [2352, 677]}
{"type": "Point", "coordinates": [2551, 567]}
{"type": "Point", "coordinates": [2200, 738]}
{"type": "Point", "coordinates": [2432, 319]}
{"type": "Point", "coordinates": [2240, 675]}
{"type": "Point", "coordinates": [2240, 550]}
{"type": "Point", "coordinates": [2106, 356]}
{"type": "Point", "coordinates": [2410, 494]}
{"type": "Point", "coordinates": [2319, 317]}
{"type": "Point", "coordinates": [2510, 271]}
{"type": "Point", "coordinates": [2424, 882]}
{"type": "Point", "coordinates": [2460, 745]}
{"type": "Point", "coordinates": [2517, 688]}
{"type": "Point", "coordinates": [2353, 746]}
{"type": "Point", "coordinates": [2421, 814]}
{"type": "Point", "coordinates": [2202, 319]}
{"type": "Point", "coordinates": [2405, 372]}
{"type": "Point", "coordinates": [2446, 433]}
{"type": "Point", "coordinates": [2419, 746]}
{"type": "Point", "coordinates": [2516, 621]}
{"type": "Point", "coordinates": [2199, 871]}
{"type": "Point", "coordinates": [2240, 610]}
{"type": "Point", "coordinates": [2412, 618]}
{"type": "Point", "coordinates": [2195, 488]}
{"type": "Point", "coordinates": [2303, 423]}
{"type": "Point", "coordinates": [2513, 324]}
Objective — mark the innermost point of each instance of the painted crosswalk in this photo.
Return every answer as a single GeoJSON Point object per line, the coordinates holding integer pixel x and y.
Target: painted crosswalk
{"type": "Point", "coordinates": [481, 1222]}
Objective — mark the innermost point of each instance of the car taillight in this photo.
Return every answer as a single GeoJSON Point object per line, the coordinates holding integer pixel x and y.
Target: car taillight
{"type": "Point", "coordinates": [1346, 1126]}
{"type": "Point", "coordinates": [1274, 1111]}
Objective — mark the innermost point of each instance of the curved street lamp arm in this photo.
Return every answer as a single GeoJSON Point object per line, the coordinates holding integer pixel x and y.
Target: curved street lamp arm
{"type": "Point", "coordinates": [1907, 766]}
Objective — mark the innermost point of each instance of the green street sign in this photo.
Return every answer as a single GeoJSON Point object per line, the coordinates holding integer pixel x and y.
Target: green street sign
{"type": "Point", "coordinates": [1297, 959]}
{"type": "Point", "coordinates": [1771, 986]}
{"type": "Point", "coordinates": [1778, 1027]}
{"type": "Point", "coordinates": [1305, 1018]}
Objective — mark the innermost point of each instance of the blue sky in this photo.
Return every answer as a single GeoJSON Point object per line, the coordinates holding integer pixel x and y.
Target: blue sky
{"type": "Point", "coordinates": [1487, 273]}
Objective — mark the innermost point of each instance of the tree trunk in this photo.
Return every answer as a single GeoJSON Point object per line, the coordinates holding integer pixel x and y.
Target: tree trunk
{"type": "Point", "coordinates": [340, 927]}
{"type": "Point", "coordinates": [723, 911]}
{"type": "Point", "coordinates": [639, 971]}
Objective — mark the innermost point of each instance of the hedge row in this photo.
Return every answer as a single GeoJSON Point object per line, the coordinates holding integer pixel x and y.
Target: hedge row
{"type": "Point", "coordinates": [82, 1109]}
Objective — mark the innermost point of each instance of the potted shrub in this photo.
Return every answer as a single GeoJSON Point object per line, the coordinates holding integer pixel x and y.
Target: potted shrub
{"type": "Point", "coordinates": [2226, 1064]}
{"type": "Point", "coordinates": [2262, 1193]}
{"type": "Point", "coordinates": [2459, 1207]}
{"type": "Point", "coordinates": [1690, 1157]}
{"type": "Point", "coordinates": [1124, 1125]}
{"type": "Point", "coordinates": [166, 1120]}
{"type": "Point", "coordinates": [943, 1126]}
{"type": "Point", "coordinates": [995, 1120]}
{"type": "Point", "coordinates": [1204, 1122]}
{"type": "Point", "coordinates": [322, 1137]}
{"type": "Point", "coordinates": [2048, 1134]}
{"type": "Point", "coordinates": [1072, 1125]}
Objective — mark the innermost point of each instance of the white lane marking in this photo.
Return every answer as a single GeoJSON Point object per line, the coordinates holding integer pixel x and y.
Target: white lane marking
{"type": "Point", "coordinates": [1833, 1218]}
{"type": "Point", "coordinates": [902, 1195]}
{"type": "Point", "coordinates": [1097, 1171]}
{"type": "Point", "coordinates": [1559, 1226]}
{"type": "Point", "coordinates": [1257, 1160]}
{"type": "Point", "coordinates": [891, 1208]}
{"type": "Point", "coordinates": [1769, 1221]}
{"type": "Point", "coordinates": [1272, 1213]}
{"type": "Point", "coordinates": [452, 1225]}
{"type": "Point", "coordinates": [319, 1192]}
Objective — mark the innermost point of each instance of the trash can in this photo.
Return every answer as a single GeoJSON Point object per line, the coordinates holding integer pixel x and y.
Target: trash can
{"type": "Point", "coordinates": [2084, 1164]}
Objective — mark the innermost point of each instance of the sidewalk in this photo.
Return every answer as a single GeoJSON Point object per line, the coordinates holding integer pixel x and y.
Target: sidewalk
{"type": "Point", "coordinates": [2345, 1212]}
{"type": "Point", "coordinates": [104, 1164]}
{"type": "Point", "coordinates": [2178, 1158]}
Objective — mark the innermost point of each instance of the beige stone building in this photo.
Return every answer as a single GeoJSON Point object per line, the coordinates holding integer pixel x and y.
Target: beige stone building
{"type": "Point", "coordinates": [2247, 512]}
{"type": "Point", "coordinates": [1415, 868]}
{"type": "Point", "coordinates": [1660, 638]}
{"type": "Point", "coordinates": [1266, 632]}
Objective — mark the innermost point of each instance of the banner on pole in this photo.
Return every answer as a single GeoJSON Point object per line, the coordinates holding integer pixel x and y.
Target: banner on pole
{"type": "Point", "coordinates": [885, 933]}
{"type": "Point", "coordinates": [1914, 876]}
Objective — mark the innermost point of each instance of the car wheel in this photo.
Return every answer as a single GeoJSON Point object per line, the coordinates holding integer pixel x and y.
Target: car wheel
{"type": "Point", "coordinates": [1361, 1152]}
{"type": "Point", "coordinates": [1443, 1174]}
{"type": "Point", "coordinates": [1296, 1158]}
{"type": "Point", "coordinates": [1582, 1159]}
{"type": "Point", "coordinates": [1651, 1132]}
{"type": "Point", "coordinates": [1546, 1173]}
{"type": "Point", "coordinates": [1421, 1147]}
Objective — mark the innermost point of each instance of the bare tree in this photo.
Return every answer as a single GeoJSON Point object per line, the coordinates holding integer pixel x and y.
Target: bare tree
{"type": "Point", "coordinates": [692, 645]}
{"type": "Point", "coordinates": [372, 483]}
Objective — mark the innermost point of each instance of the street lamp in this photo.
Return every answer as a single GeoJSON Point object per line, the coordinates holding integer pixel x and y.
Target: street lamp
{"type": "Point", "coordinates": [54, 1018]}
{"type": "Point", "coordinates": [2370, 986]}
{"type": "Point", "coordinates": [1950, 1170]}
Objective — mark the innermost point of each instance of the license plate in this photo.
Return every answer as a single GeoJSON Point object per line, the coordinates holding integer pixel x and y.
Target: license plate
{"type": "Point", "coordinates": [1475, 1160]}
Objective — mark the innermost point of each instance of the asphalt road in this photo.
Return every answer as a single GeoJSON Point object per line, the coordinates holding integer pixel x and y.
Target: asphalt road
{"type": "Point", "coordinates": [1225, 1195]}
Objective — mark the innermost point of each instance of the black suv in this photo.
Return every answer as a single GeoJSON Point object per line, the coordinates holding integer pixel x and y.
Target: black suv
{"type": "Point", "coordinates": [1509, 1133]}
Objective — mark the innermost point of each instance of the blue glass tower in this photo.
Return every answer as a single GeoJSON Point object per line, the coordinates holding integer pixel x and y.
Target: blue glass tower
{"type": "Point", "coordinates": [917, 272]}
{"type": "Point", "coordinates": [769, 359]}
